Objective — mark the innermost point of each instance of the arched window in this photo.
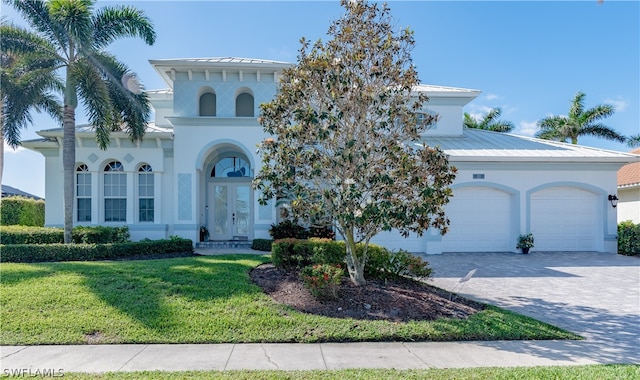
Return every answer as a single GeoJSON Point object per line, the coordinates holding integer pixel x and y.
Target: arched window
{"type": "Point", "coordinates": [83, 193]}
{"type": "Point", "coordinates": [115, 192]}
{"type": "Point", "coordinates": [231, 167]}
{"type": "Point", "coordinates": [208, 104]}
{"type": "Point", "coordinates": [145, 194]}
{"type": "Point", "coordinates": [244, 105]}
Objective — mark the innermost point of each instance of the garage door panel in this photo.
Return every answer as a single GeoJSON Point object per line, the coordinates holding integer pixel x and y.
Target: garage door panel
{"type": "Point", "coordinates": [480, 221]}
{"type": "Point", "coordinates": [564, 219]}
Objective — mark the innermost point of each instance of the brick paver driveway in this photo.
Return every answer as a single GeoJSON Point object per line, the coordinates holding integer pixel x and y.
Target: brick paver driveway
{"type": "Point", "coordinates": [596, 295]}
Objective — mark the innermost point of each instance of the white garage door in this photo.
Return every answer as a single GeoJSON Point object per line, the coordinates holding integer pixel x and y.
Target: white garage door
{"type": "Point", "coordinates": [481, 221]}
{"type": "Point", "coordinates": [564, 219]}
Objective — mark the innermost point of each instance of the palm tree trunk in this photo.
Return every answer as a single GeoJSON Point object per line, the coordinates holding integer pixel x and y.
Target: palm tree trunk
{"type": "Point", "coordinates": [1, 139]}
{"type": "Point", "coordinates": [68, 164]}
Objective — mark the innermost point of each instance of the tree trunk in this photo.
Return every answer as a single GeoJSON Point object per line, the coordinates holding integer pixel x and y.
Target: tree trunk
{"type": "Point", "coordinates": [68, 164]}
{"type": "Point", "coordinates": [355, 264]}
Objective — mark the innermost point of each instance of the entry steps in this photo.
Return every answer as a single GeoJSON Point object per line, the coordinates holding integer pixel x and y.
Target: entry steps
{"type": "Point", "coordinates": [224, 244]}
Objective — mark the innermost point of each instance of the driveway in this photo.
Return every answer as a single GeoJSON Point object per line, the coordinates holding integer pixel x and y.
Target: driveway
{"type": "Point", "coordinates": [596, 295]}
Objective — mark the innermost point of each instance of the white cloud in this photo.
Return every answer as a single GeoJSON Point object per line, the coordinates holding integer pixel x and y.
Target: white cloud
{"type": "Point", "coordinates": [8, 149]}
{"type": "Point", "coordinates": [526, 128]}
{"type": "Point", "coordinates": [491, 97]}
{"type": "Point", "coordinates": [619, 104]}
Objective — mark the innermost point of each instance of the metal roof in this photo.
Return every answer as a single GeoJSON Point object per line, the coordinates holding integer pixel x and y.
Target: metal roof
{"type": "Point", "coordinates": [480, 145]}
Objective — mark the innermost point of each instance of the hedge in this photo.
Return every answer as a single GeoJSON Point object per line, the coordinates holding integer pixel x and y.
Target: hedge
{"type": "Point", "coordinates": [23, 211]}
{"type": "Point", "coordinates": [381, 263]}
{"type": "Point", "coordinates": [262, 245]}
{"type": "Point", "coordinates": [628, 238]}
{"type": "Point", "coordinates": [30, 253]}
{"type": "Point", "coordinates": [10, 235]}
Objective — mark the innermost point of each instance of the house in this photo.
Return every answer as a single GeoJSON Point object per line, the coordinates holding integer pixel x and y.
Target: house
{"type": "Point", "coordinates": [629, 191]}
{"type": "Point", "coordinates": [9, 191]}
{"type": "Point", "coordinates": [196, 162]}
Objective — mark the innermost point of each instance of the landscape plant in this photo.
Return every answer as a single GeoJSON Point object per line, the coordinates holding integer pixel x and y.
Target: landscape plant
{"type": "Point", "coordinates": [579, 122]}
{"type": "Point", "coordinates": [489, 122]}
{"type": "Point", "coordinates": [74, 36]}
{"type": "Point", "coordinates": [22, 211]}
{"type": "Point", "coordinates": [345, 136]}
{"type": "Point", "coordinates": [322, 280]}
{"type": "Point", "coordinates": [628, 238]}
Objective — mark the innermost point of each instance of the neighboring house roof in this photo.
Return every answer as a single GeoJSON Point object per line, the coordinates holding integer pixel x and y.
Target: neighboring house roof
{"type": "Point", "coordinates": [9, 191]}
{"type": "Point", "coordinates": [629, 175]}
{"type": "Point", "coordinates": [479, 145]}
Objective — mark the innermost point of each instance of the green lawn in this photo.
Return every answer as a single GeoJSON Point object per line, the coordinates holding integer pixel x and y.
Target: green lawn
{"type": "Point", "coordinates": [208, 299]}
{"type": "Point", "coordinates": [595, 372]}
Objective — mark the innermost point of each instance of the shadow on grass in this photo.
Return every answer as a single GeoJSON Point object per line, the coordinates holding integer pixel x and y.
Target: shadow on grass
{"type": "Point", "coordinates": [140, 289]}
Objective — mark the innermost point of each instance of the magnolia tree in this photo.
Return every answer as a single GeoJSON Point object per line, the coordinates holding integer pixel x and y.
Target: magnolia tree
{"type": "Point", "coordinates": [346, 136]}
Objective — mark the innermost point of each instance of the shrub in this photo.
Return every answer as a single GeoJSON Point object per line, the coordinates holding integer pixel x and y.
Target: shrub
{"type": "Point", "coordinates": [288, 229]}
{"type": "Point", "coordinates": [324, 232]}
{"type": "Point", "coordinates": [299, 253]}
{"type": "Point", "coordinates": [22, 211]}
{"type": "Point", "coordinates": [262, 245]}
{"type": "Point", "coordinates": [79, 235]}
{"type": "Point", "coordinates": [322, 280]}
{"type": "Point", "coordinates": [29, 253]}
{"type": "Point", "coordinates": [628, 238]}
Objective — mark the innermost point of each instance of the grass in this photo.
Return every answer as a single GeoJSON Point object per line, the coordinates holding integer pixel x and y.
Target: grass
{"type": "Point", "coordinates": [200, 300]}
{"type": "Point", "coordinates": [571, 372]}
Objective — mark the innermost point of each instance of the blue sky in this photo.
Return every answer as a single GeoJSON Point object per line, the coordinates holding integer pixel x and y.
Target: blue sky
{"type": "Point", "coordinates": [530, 58]}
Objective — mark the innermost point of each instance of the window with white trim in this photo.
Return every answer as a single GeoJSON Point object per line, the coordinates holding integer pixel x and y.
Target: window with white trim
{"type": "Point", "coordinates": [145, 194]}
{"type": "Point", "coordinates": [83, 194]}
{"type": "Point", "coordinates": [244, 105]}
{"type": "Point", "coordinates": [115, 192]}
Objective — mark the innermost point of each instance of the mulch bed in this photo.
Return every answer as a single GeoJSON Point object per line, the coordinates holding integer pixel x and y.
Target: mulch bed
{"type": "Point", "coordinates": [398, 300]}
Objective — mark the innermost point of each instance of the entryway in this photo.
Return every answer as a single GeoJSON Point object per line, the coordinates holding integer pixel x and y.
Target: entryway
{"type": "Point", "coordinates": [230, 209]}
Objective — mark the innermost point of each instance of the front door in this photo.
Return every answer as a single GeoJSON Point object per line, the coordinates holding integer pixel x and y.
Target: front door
{"type": "Point", "coordinates": [230, 213]}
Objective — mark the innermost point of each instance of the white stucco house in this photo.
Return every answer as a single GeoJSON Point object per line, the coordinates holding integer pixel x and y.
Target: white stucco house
{"type": "Point", "coordinates": [195, 166]}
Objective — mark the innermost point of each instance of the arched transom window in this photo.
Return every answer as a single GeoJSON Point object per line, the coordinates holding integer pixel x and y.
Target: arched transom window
{"type": "Point", "coordinates": [145, 194]}
{"type": "Point", "coordinates": [115, 192]}
{"type": "Point", "coordinates": [83, 194]}
{"type": "Point", "coordinates": [231, 167]}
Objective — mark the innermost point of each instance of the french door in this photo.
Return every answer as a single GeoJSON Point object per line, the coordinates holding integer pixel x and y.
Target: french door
{"type": "Point", "coordinates": [230, 210]}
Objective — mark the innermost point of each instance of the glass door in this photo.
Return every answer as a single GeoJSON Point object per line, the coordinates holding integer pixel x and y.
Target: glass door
{"type": "Point", "coordinates": [230, 214]}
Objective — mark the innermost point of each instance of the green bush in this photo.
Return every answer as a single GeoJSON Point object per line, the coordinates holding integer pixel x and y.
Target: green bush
{"type": "Point", "coordinates": [288, 229]}
{"type": "Point", "coordinates": [21, 211]}
{"type": "Point", "coordinates": [381, 263]}
{"type": "Point", "coordinates": [30, 235]}
{"type": "Point", "coordinates": [262, 245]}
{"type": "Point", "coordinates": [29, 253]}
{"type": "Point", "coordinates": [79, 235]}
{"type": "Point", "coordinates": [628, 238]}
{"type": "Point", "coordinates": [322, 280]}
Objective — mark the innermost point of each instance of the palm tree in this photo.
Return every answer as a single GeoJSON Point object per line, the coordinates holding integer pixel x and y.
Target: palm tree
{"type": "Point", "coordinates": [633, 141]}
{"type": "Point", "coordinates": [489, 122]}
{"type": "Point", "coordinates": [580, 122]}
{"type": "Point", "coordinates": [28, 83]}
{"type": "Point", "coordinates": [77, 37]}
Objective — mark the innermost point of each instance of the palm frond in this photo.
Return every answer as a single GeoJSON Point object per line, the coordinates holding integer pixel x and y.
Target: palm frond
{"type": "Point", "coordinates": [93, 92]}
{"type": "Point", "coordinates": [577, 105]}
{"type": "Point", "coordinates": [111, 23]}
{"type": "Point", "coordinates": [633, 141]}
{"type": "Point", "coordinates": [602, 131]}
{"type": "Point", "coordinates": [36, 13]}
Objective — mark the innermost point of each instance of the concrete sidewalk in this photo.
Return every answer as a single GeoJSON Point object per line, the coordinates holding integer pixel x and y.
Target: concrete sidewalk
{"type": "Point", "coordinates": [323, 356]}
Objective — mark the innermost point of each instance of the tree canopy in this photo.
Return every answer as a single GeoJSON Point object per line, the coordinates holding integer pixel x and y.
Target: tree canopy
{"type": "Point", "coordinates": [74, 36]}
{"type": "Point", "coordinates": [489, 122]}
{"type": "Point", "coordinates": [346, 140]}
{"type": "Point", "coordinates": [579, 122]}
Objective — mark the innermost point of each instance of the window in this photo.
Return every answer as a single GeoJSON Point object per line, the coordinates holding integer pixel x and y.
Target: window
{"type": "Point", "coordinates": [244, 105]}
{"type": "Point", "coordinates": [145, 194]}
{"type": "Point", "coordinates": [208, 104]}
{"type": "Point", "coordinates": [83, 194]}
{"type": "Point", "coordinates": [231, 167]}
{"type": "Point", "coordinates": [115, 193]}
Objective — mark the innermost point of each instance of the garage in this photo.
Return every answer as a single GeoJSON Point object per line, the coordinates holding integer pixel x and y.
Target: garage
{"type": "Point", "coordinates": [482, 220]}
{"type": "Point", "coordinates": [564, 219]}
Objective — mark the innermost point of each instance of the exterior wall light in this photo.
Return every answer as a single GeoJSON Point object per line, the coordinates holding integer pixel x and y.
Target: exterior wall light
{"type": "Point", "coordinates": [614, 200]}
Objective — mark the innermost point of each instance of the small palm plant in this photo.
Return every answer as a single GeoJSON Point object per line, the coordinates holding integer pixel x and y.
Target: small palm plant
{"type": "Point", "coordinates": [525, 242]}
